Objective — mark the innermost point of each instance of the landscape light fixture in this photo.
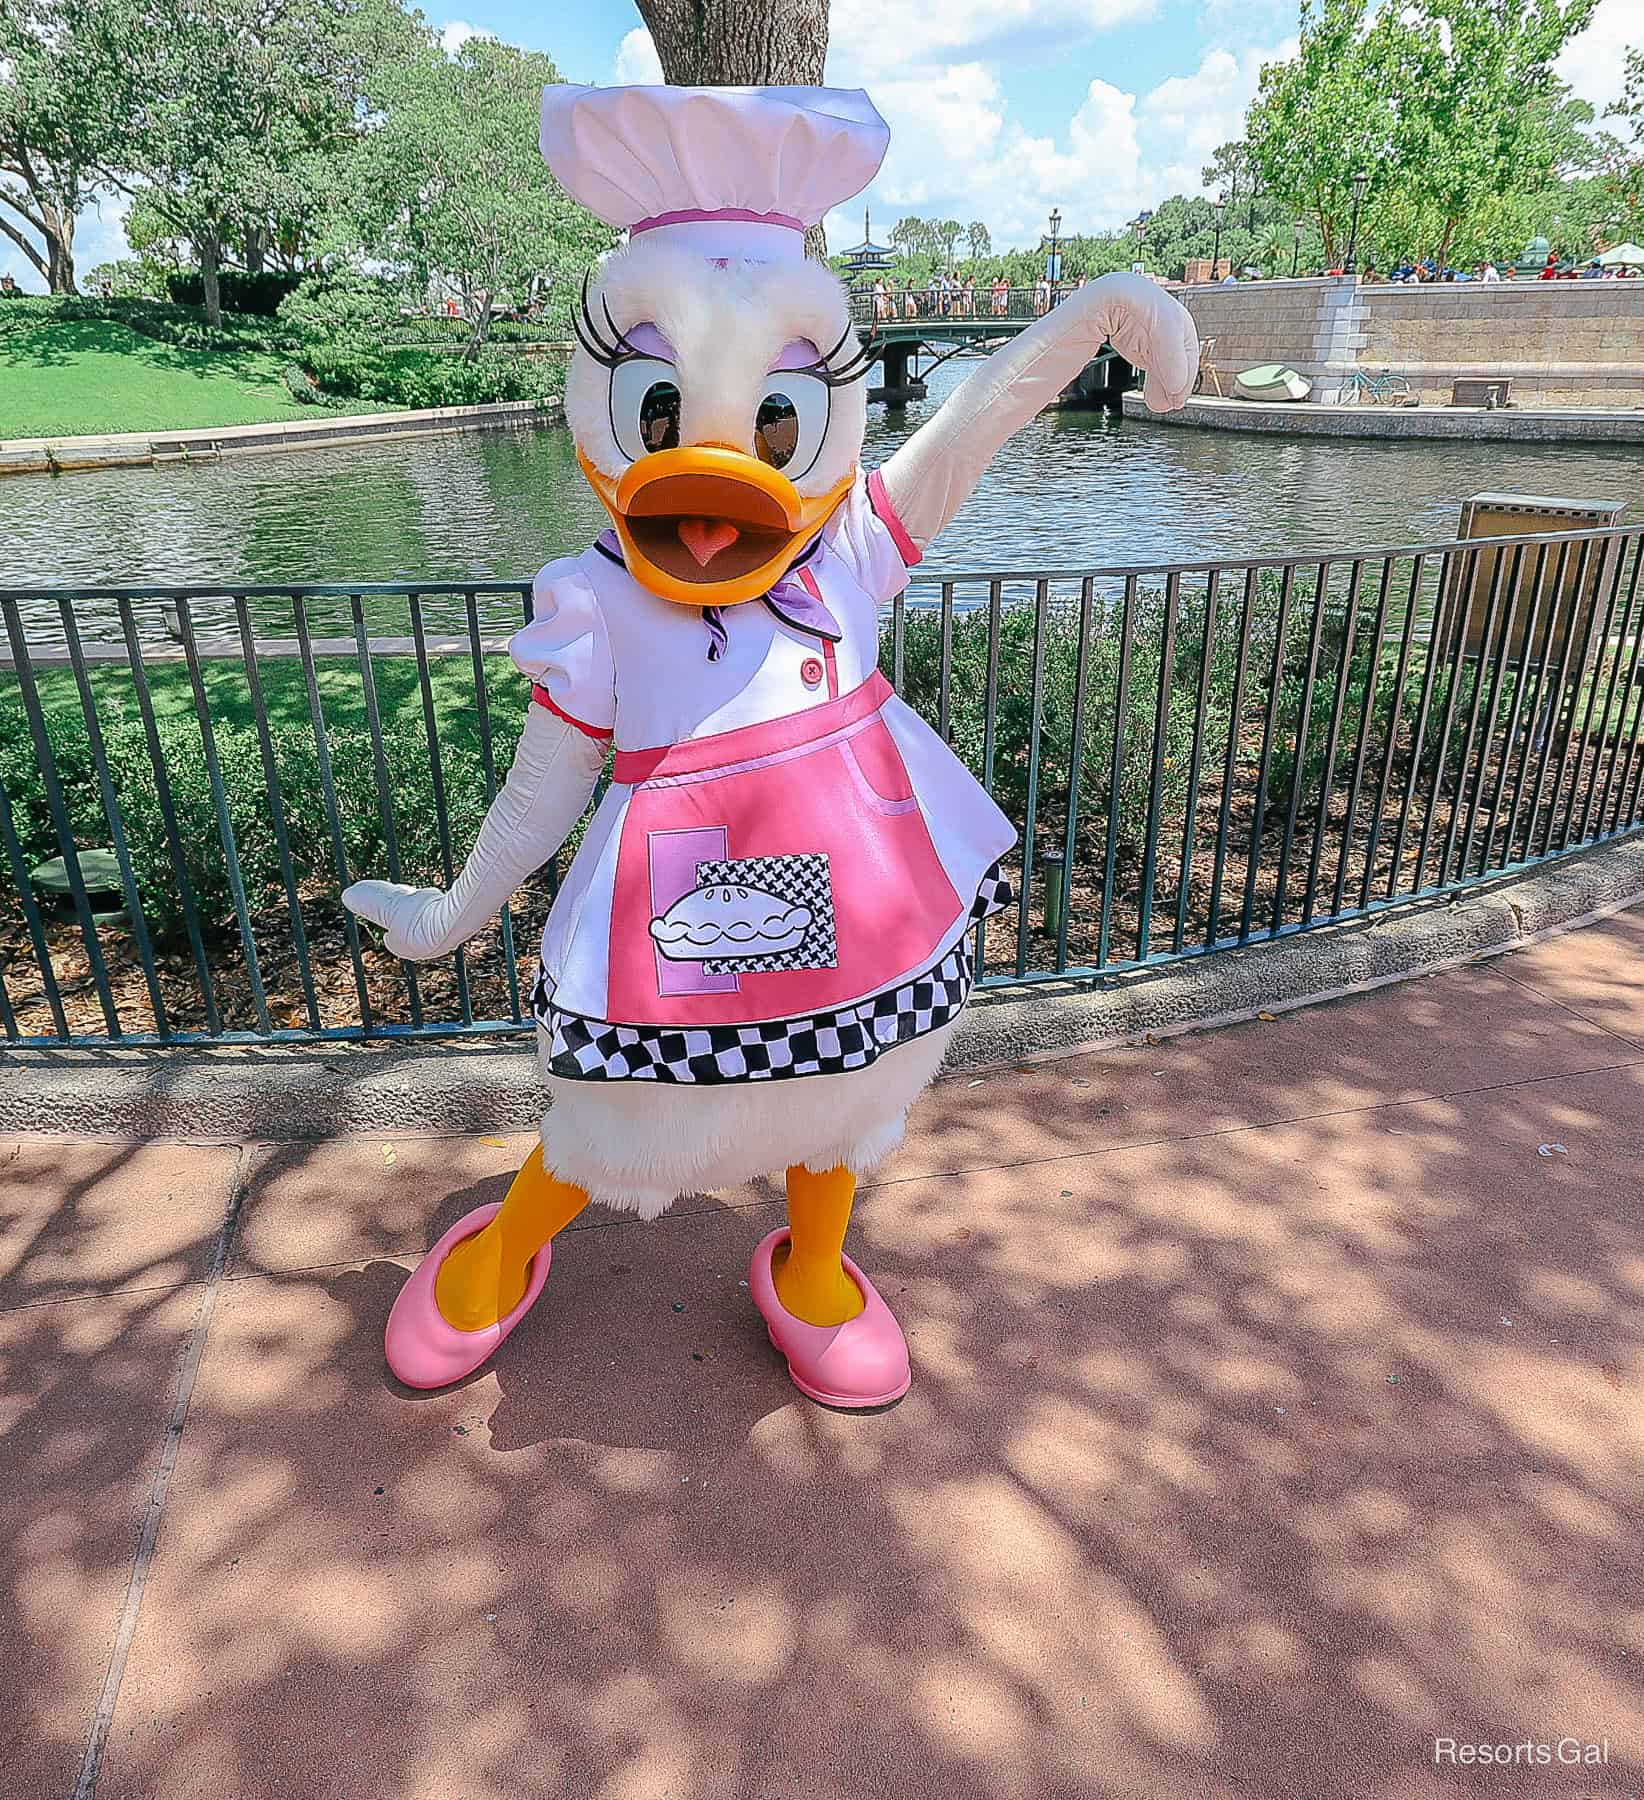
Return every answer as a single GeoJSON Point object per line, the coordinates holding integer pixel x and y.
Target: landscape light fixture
{"type": "Point", "coordinates": [1216, 254]}
{"type": "Point", "coordinates": [1053, 264]}
{"type": "Point", "coordinates": [1295, 252]}
{"type": "Point", "coordinates": [1360, 182]}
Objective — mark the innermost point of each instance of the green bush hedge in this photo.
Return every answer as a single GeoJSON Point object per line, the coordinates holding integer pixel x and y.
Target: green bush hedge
{"type": "Point", "coordinates": [259, 294]}
{"type": "Point", "coordinates": [239, 756]}
{"type": "Point", "coordinates": [425, 377]}
{"type": "Point", "coordinates": [168, 324]}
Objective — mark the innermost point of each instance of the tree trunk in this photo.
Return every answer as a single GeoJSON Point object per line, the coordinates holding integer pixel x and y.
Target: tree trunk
{"type": "Point", "coordinates": [256, 249]}
{"type": "Point", "coordinates": [742, 43]}
{"type": "Point", "coordinates": [23, 244]}
{"type": "Point", "coordinates": [59, 250]}
{"type": "Point", "coordinates": [210, 250]}
{"type": "Point", "coordinates": [56, 230]}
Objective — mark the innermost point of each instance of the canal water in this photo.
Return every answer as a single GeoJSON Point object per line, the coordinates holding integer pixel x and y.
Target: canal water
{"type": "Point", "coordinates": [1072, 489]}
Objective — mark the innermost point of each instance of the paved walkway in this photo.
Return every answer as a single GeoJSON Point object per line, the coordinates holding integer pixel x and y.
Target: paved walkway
{"type": "Point", "coordinates": [1277, 1411]}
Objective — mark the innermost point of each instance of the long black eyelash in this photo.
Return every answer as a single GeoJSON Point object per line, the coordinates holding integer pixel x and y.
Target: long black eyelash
{"type": "Point", "coordinates": [590, 337]}
{"type": "Point", "coordinates": [853, 368]}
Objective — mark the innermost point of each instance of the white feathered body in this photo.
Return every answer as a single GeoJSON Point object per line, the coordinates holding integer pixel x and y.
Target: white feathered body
{"type": "Point", "coordinates": [637, 1145]}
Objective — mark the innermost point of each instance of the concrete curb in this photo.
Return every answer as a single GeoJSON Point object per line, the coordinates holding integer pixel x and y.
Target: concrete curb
{"type": "Point", "coordinates": [311, 1092]}
{"type": "Point", "coordinates": [1309, 419]}
{"type": "Point", "coordinates": [143, 449]}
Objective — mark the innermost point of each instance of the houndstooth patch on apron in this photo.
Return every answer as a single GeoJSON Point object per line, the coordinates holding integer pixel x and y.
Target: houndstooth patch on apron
{"type": "Point", "coordinates": [801, 881]}
{"type": "Point", "coordinates": [833, 1043]}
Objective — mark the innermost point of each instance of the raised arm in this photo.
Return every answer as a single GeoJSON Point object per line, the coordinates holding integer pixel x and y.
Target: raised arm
{"type": "Point", "coordinates": [933, 473]}
{"type": "Point", "coordinates": [547, 791]}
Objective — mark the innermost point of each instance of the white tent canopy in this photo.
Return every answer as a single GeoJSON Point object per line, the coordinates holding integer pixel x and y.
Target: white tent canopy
{"type": "Point", "coordinates": [1630, 254]}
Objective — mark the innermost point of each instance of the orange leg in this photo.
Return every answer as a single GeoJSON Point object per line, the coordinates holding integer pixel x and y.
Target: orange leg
{"type": "Point", "coordinates": [485, 1277]}
{"type": "Point", "coordinates": [808, 1271]}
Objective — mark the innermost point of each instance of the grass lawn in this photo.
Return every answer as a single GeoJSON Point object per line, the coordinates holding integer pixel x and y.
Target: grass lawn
{"type": "Point", "coordinates": [87, 376]}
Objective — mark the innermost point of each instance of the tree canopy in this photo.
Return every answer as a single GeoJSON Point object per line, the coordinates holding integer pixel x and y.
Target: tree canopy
{"type": "Point", "coordinates": [1449, 108]}
{"type": "Point", "coordinates": [449, 185]}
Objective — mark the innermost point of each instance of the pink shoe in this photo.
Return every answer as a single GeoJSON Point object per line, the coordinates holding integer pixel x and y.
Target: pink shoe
{"type": "Point", "coordinates": [863, 1362]}
{"type": "Point", "coordinates": [425, 1352]}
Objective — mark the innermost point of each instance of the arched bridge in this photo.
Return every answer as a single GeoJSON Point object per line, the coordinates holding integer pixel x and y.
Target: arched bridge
{"type": "Point", "coordinates": [956, 322]}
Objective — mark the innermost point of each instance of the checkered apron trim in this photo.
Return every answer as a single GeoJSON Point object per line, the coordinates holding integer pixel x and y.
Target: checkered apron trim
{"type": "Point", "coordinates": [832, 1043]}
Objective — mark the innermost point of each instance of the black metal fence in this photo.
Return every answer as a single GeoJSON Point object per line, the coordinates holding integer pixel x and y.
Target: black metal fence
{"type": "Point", "coordinates": [1198, 756]}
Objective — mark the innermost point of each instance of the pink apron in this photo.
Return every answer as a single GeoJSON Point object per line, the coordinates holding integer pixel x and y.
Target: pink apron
{"type": "Point", "coordinates": [776, 870]}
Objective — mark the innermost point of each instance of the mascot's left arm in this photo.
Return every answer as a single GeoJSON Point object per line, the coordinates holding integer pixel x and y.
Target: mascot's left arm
{"type": "Point", "coordinates": [932, 475]}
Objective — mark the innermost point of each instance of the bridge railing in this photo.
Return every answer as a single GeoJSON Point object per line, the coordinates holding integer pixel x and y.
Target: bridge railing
{"type": "Point", "coordinates": [1197, 756]}
{"type": "Point", "coordinates": [902, 306]}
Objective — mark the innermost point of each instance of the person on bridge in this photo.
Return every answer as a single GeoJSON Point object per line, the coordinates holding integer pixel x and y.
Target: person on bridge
{"type": "Point", "coordinates": [762, 946]}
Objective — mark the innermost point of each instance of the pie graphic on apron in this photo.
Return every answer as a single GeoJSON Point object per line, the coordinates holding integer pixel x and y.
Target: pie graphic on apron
{"type": "Point", "coordinates": [796, 888]}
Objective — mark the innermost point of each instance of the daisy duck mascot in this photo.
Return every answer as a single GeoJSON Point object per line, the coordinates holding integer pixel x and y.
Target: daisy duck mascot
{"type": "Point", "coordinates": [761, 948]}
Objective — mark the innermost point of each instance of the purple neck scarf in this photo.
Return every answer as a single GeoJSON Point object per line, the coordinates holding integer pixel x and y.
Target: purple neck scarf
{"type": "Point", "coordinates": [790, 600]}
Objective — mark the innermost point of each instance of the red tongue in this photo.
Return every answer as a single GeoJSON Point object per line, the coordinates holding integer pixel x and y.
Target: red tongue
{"type": "Point", "coordinates": [705, 538]}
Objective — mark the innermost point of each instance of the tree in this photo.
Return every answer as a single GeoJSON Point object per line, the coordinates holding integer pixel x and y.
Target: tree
{"type": "Point", "coordinates": [448, 184]}
{"type": "Point", "coordinates": [978, 238]}
{"type": "Point", "coordinates": [742, 43]}
{"type": "Point", "coordinates": [1230, 165]}
{"type": "Point", "coordinates": [62, 68]}
{"type": "Point", "coordinates": [1447, 106]}
{"type": "Point", "coordinates": [916, 237]}
{"type": "Point", "coordinates": [1320, 118]}
{"type": "Point", "coordinates": [1622, 158]}
{"type": "Point", "coordinates": [237, 110]}
{"type": "Point", "coordinates": [948, 233]}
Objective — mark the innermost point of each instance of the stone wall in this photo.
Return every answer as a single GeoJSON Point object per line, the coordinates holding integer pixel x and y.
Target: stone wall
{"type": "Point", "coordinates": [1564, 343]}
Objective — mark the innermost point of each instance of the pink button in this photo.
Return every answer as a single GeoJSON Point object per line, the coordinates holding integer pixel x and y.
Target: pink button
{"type": "Point", "coordinates": [810, 672]}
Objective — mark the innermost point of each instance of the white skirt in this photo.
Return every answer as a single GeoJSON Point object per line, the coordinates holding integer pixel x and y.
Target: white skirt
{"type": "Point", "coordinates": [637, 1145]}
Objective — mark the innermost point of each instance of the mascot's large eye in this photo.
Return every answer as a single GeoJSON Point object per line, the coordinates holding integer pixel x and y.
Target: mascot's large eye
{"type": "Point", "coordinates": [645, 406]}
{"type": "Point", "coordinates": [791, 421]}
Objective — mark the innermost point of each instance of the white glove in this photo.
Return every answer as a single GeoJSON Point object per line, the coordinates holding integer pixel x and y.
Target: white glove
{"type": "Point", "coordinates": [547, 791]}
{"type": "Point", "coordinates": [934, 472]}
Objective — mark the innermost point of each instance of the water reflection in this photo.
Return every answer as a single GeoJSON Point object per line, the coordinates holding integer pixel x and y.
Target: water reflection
{"type": "Point", "coordinates": [1071, 489]}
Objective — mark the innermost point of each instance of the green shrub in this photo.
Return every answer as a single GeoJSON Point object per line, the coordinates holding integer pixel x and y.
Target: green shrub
{"type": "Point", "coordinates": [419, 378]}
{"type": "Point", "coordinates": [259, 294]}
{"type": "Point", "coordinates": [302, 388]}
{"type": "Point", "coordinates": [182, 326]}
{"type": "Point", "coordinates": [1014, 712]}
{"type": "Point", "coordinates": [352, 307]}
{"type": "Point", "coordinates": [245, 784]}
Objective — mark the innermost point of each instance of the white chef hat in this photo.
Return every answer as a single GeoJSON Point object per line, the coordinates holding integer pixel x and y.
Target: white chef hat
{"type": "Point", "coordinates": [730, 172]}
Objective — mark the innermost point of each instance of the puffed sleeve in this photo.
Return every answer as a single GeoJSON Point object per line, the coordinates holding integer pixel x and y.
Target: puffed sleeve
{"type": "Point", "coordinates": [566, 652]}
{"type": "Point", "coordinates": [867, 534]}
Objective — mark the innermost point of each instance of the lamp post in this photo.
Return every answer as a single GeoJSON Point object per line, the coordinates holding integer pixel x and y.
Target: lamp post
{"type": "Point", "coordinates": [1216, 254]}
{"type": "Point", "coordinates": [1053, 261]}
{"type": "Point", "coordinates": [1360, 182]}
{"type": "Point", "coordinates": [1141, 232]}
{"type": "Point", "coordinates": [1295, 251]}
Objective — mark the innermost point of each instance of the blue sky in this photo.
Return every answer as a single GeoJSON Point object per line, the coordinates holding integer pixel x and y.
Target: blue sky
{"type": "Point", "coordinates": [999, 109]}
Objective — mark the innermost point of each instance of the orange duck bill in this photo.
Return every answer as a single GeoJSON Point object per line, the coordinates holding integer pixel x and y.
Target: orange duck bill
{"type": "Point", "coordinates": [705, 525]}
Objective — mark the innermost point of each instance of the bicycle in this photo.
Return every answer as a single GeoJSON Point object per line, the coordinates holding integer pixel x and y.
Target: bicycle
{"type": "Point", "coordinates": [1385, 389]}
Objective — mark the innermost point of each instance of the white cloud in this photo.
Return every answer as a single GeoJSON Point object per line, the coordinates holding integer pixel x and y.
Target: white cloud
{"type": "Point", "coordinates": [454, 35]}
{"type": "Point", "coordinates": [637, 63]}
{"type": "Point", "coordinates": [958, 151]}
{"type": "Point", "coordinates": [1593, 63]}
{"type": "Point", "coordinates": [1186, 117]}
